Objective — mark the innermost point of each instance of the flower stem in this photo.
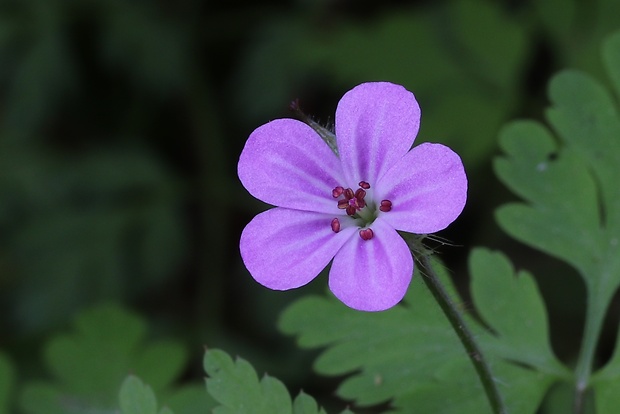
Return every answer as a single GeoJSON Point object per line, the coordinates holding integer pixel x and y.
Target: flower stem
{"type": "Point", "coordinates": [458, 324]}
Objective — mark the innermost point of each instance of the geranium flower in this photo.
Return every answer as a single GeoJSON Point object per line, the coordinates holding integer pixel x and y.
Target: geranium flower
{"type": "Point", "coordinates": [348, 207]}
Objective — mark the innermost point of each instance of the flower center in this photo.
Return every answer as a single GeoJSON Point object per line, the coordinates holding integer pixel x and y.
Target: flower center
{"type": "Point", "coordinates": [356, 206]}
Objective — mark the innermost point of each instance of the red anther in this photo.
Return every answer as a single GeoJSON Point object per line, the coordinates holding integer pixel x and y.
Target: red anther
{"type": "Point", "coordinates": [349, 194]}
{"type": "Point", "coordinates": [360, 194]}
{"type": "Point", "coordinates": [366, 234]}
{"type": "Point", "coordinates": [386, 205]}
{"type": "Point", "coordinates": [337, 192]}
{"type": "Point", "coordinates": [351, 210]}
{"type": "Point", "coordinates": [364, 185]}
{"type": "Point", "coordinates": [335, 225]}
{"type": "Point", "coordinates": [342, 204]}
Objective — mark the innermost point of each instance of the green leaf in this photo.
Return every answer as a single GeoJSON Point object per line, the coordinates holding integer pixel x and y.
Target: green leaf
{"type": "Point", "coordinates": [611, 58]}
{"type": "Point", "coordinates": [235, 385]}
{"type": "Point", "coordinates": [6, 383]}
{"type": "Point", "coordinates": [511, 305]}
{"type": "Point", "coordinates": [537, 169]}
{"type": "Point", "coordinates": [190, 399]}
{"type": "Point", "coordinates": [411, 356]}
{"type": "Point", "coordinates": [137, 398]}
{"type": "Point", "coordinates": [573, 209]}
{"type": "Point", "coordinates": [90, 363]}
{"type": "Point", "coordinates": [571, 193]}
{"type": "Point", "coordinates": [43, 398]}
{"type": "Point", "coordinates": [305, 404]}
{"type": "Point", "coordinates": [606, 384]}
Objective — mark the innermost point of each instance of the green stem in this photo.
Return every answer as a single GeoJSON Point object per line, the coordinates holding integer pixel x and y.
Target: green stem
{"type": "Point", "coordinates": [596, 306]}
{"type": "Point", "coordinates": [465, 335]}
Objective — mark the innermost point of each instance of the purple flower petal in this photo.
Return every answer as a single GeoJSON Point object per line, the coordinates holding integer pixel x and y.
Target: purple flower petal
{"type": "Point", "coordinates": [372, 275]}
{"type": "Point", "coordinates": [376, 124]}
{"type": "Point", "coordinates": [427, 188]}
{"type": "Point", "coordinates": [285, 249]}
{"type": "Point", "coordinates": [287, 164]}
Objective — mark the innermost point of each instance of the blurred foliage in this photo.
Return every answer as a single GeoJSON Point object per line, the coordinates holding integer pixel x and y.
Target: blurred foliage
{"type": "Point", "coordinates": [137, 398]}
{"type": "Point", "coordinates": [572, 208]}
{"type": "Point", "coordinates": [89, 365]}
{"type": "Point", "coordinates": [6, 383]}
{"type": "Point", "coordinates": [120, 124]}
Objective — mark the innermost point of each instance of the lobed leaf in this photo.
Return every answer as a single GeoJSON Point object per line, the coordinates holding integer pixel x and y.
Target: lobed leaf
{"type": "Point", "coordinates": [571, 206]}
{"type": "Point", "coordinates": [135, 397]}
{"type": "Point", "coordinates": [573, 200]}
{"type": "Point", "coordinates": [90, 364]}
{"type": "Point", "coordinates": [511, 305]}
{"type": "Point", "coordinates": [606, 384]}
{"type": "Point", "coordinates": [409, 355]}
{"type": "Point", "coordinates": [235, 385]}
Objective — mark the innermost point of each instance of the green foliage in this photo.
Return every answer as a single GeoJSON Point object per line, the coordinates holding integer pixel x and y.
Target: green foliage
{"type": "Point", "coordinates": [135, 397]}
{"type": "Point", "coordinates": [606, 384]}
{"type": "Point", "coordinates": [102, 226]}
{"type": "Point", "coordinates": [411, 356]}
{"type": "Point", "coordinates": [235, 385]}
{"type": "Point", "coordinates": [607, 381]}
{"type": "Point", "coordinates": [6, 383]}
{"type": "Point", "coordinates": [576, 29]}
{"type": "Point", "coordinates": [611, 58]}
{"type": "Point", "coordinates": [572, 208]}
{"type": "Point", "coordinates": [454, 58]}
{"type": "Point", "coordinates": [90, 364]}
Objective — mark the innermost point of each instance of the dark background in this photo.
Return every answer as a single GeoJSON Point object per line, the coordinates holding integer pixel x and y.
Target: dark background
{"type": "Point", "coordinates": [121, 123]}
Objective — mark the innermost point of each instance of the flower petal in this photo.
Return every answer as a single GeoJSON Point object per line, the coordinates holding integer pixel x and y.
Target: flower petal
{"type": "Point", "coordinates": [376, 124]}
{"type": "Point", "coordinates": [285, 249]}
{"type": "Point", "coordinates": [427, 188]}
{"type": "Point", "coordinates": [372, 275]}
{"type": "Point", "coordinates": [287, 164]}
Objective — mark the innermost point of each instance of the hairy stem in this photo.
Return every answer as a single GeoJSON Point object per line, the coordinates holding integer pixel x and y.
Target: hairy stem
{"type": "Point", "coordinates": [458, 324]}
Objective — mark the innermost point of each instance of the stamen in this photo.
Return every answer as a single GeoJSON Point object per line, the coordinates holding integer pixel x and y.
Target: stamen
{"type": "Point", "coordinates": [386, 205]}
{"type": "Point", "coordinates": [359, 199]}
{"type": "Point", "coordinates": [351, 210]}
{"type": "Point", "coordinates": [349, 194]}
{"type": "Point", "coordinates": [364, 185]}
{"type": "Point", "coordinates": [342, 204]}
{"type": "Point", "coordinates": [366, 234]}
{"type": "Point", "coordinates": [335, 225]}
{"type": "Point", "coordinates": [337, 192]}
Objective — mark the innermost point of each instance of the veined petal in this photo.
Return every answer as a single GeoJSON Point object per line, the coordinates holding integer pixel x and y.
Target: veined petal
{"type": "Point", "coordinates": [285, 249]}
{"type": "Point", "coordinates": [287, 164]}
{"type": "Point", "coordinates": [376, 124]}
{"type": "Point", "coordinates": [427, 188]}
{"type": "Point", "coordinates": [372, 275]}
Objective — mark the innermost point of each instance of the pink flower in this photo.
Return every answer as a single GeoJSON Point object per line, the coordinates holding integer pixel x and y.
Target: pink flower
{"type": "Point", "coordinates": [348, 207]}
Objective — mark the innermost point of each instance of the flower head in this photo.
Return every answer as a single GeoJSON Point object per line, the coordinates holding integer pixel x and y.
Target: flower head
{"type": "Point", "coordinates": [348, 207]}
